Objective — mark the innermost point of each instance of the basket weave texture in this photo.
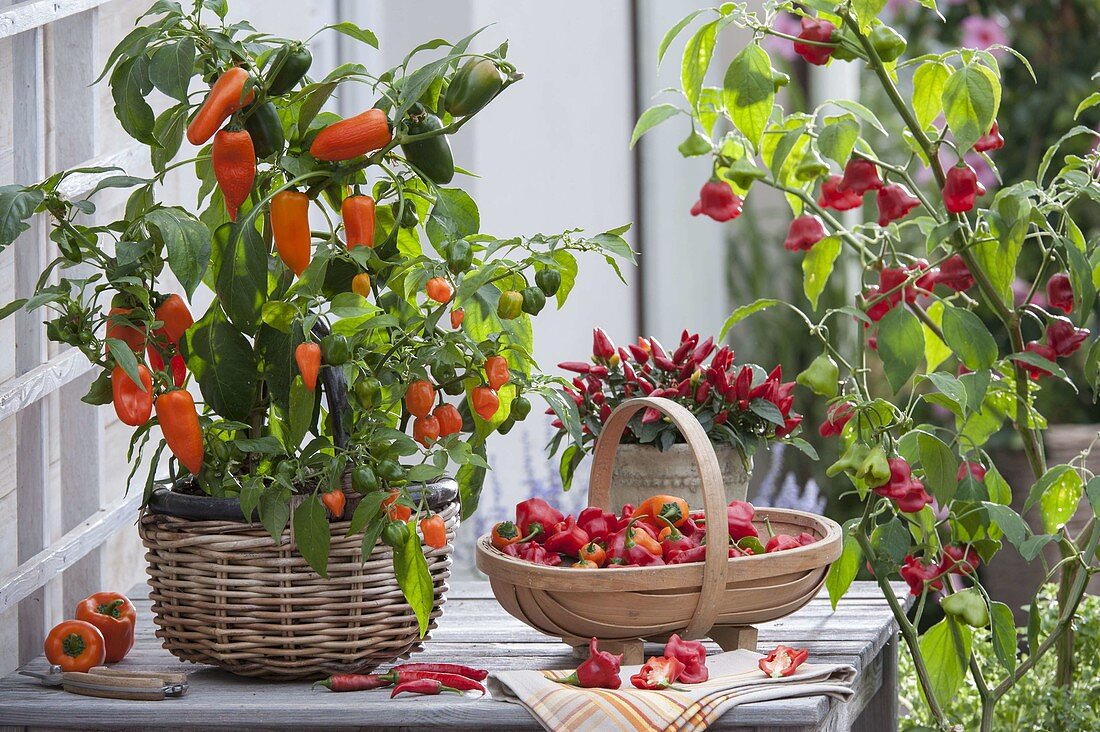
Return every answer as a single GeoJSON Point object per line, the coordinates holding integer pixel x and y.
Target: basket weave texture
{"type": "Point", "coordinates": [224, 593]}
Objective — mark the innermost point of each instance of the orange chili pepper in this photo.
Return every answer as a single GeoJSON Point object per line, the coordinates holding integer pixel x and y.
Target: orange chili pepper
{"type": "Point", "coordinates": [358, 215]}
{"type": "Point", "coordinates": [290, 226]}
{"type": "Point", "coordinates": [175, 317]}
{"type": "Point", "coordinates": [133, 403]}
{"type": "Point", "coordinates": [334, 501]}
{"type": "Point", "coordinates": [352, 137]}
{"type": "Point", "coordinates": [485, 401]}
{"type": "Point", "coordinates": [396, 511]}
{"type": "Point", "coordinates": [179, 422]}
{"type": "Point", "coordinates": [450, 421]}
{"type": "Point", "coordinates": [496, 372]}
{"type": "Point", "coordinates": [439, 289]}
{"type": "Point", "coordinates": [434, 531]}
{"type": "Point", "coordinates": [661, 510]}
{"type": "Point", "coordinates": [594, 553]}
{"type": "Point", "coordinates": [234, 160]}
{"type": "Point", "coordinates": [457, 316]}
{"type": "Point", "coordinates": [426, 429]}
{"type": "Point", "coordinates": [419, 398]}
{"type": "Point", "coordinates": [360, 284]}
{"type": "Point", "coordinates": [308, 357]}
{"type": "Point", "coordinates": [131, 335]}
{"type": "Point", "coordinates": [223, 99]}
{"type": "Point", "coordinates": [505, 533]}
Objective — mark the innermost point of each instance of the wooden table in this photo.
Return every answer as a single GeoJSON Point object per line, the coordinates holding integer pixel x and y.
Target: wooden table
{"type": "Point", "coordinates": [475, 630]}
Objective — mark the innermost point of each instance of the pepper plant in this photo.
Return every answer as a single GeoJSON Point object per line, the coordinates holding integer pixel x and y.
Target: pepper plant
{"type": "Point", "coordinates": [341, 261]}
{"type": "Point", "coordinates": [934, 506]}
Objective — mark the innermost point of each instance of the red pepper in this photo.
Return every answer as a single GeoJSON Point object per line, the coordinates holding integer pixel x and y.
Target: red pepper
{"type": "Point", "coordinates": [599, 671]}
{"type": "Point", "coordinates": [860, 176]}
{"type": "Point", "coordinates": [658, 673]}
{"type": "Point", "coordinates": [804, 232]}
{"type": "Point", "coordinates": [954, 274]}
{"type": "Point", "coordinates": [477, 674]}
{"type": "Point", "coordinates": [839, 200]}
{"type": "Point", "coordinates": [177, 365]}
{"type": "Point", "coordinates": [781, 542]}
{"type": "Point", "coordinates": [673, 542]}
{"type": "Point", "coordinates": [1060, 292]}
{"type": "Point", "coordinates": [1064, 338]}
{"type": "Point", "coordinates": [717, 200]}
{"type": "Point", "coordinates": [836, 417]}
{"type": "Point", "coordinates": [783, 661]}
{"type": "Point", "coordinates": [894, 202]}
{"type": "Point", "coordinates": [426, 687]}
{"type": "Point", "coordinates": [579, 367]}
{"type": "Point", "coordinates": [690, 528]}
{"type": "Point", "coordinates": [958, 560]}
{"type": "Point", "coordinates": [688, 556]}
{"type": "Point", "coordinates": [961, 188]}
{"type": "Point", "coordinates": [973, 469]}
{"type": "Point", "coordinates": [992, 140]}
{"type": "Point", "coordinates": [568, 539]}
{"type": "Point", "coordinates": [692, 655]}
{"type": "Point", "coordinates": [602, 347]}
{"type": "Point", "coordinates": [402, 675]}
{"type": "Point", "coordinates": [115, 616]}
{"type": "Point", "coordinates": [739, 516]}
{"type": "Point", "coordinates": [353, 682]}
{"type": "Point", "coordinates": [902, 488]}
{"type": "Point", "coordinates": [597, 523]}
{"type": "Point", "coordinates": [815, 29]}
{"type": "Point", "coordinates": [534, 553]}
{"type": "Point", "coordinates": [806, 538]}
{"type": "Point", "coordinates": [1039, 349]}
{"type": "Point", "coordinates": [536, 516]}
{"type": "Point", "coordinates": [917, 574]}
{"type": "Point", "coordinates": [633, 546]}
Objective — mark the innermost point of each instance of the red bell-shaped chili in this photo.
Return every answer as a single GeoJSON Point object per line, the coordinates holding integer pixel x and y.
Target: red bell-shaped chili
{"type": "Point", "coordinates": [1064, 338]}
{"type": "Point", "coordinates": [961, 188]}
{"type": "Point", "coordinates": [1039, 349]}
{"type": "Point", "coordinates": [739, 516]}
{"type": "Point", "coordinates": [568, 540]}
{"type": "Point", "coordinates": [836, 417]}
{"type": "Point", "coordinates": [958, 560]}
{"type": "Point", "coordinates": [692, 654]}
{"type": "Point", "coordinates": [992, 140]}
{"type": "Point", "coordinates": [783, 661]}
{"type": "Point", "coordinates": [597, 523]}
{"type": "Point", "coordinates": [917, 575]}
{"type": "Point", "coordinates": [673, 541]}
{"type": "Point", "coordinates": [902, 488]}
{"type": "Point", "coordinates": [531, 552]}
{"type": "Point", "coordinates": [894, 202]}
{"type": "Point", "coordinates": [599, 671]}
{"type": "Point", "coordinates": [536, 516]}
{"type": "Point", "coordinates": [658, 673]}
{"type": "Point", "coordinates": [860, 176]}
{"type": "Point", "coordinates": [804, 232]}
{"type": "Point", "coordinates": [1060, 292]}
{"type": "Point", "coordinates": [839, 200]}
{"type": "Point", "coordinates": [634, 546]}
{"type": "Point", "coordinates": [717, 200]}
{"type": "Point", "coordinates": [782, 542]}
{"type": "Point", "coordinates": [821, 31]}
{"type": "Point", "coordinates": [954, 274]}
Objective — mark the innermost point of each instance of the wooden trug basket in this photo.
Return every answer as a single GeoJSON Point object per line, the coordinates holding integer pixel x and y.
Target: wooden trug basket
{"type": "Point", "coordinates": [719, 598]}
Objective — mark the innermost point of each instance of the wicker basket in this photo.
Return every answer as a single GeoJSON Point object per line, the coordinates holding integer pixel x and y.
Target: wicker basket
{"type": "Point", "coordinates": [719, 598]}
{"type": "Point", "coordinates": [224, 593]}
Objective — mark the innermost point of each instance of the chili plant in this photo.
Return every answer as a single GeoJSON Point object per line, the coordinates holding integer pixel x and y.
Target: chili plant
{"type": "Point", "coordinates": [329, 246]}
{"type": "Point", "coordinates": [934, 504]}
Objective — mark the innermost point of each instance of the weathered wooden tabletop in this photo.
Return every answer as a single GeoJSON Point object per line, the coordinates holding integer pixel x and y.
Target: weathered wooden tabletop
{"type": "Point", "coordinates": [474, 630]}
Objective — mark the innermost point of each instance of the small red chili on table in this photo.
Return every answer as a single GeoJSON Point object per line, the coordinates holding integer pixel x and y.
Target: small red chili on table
{"type": "Point", "coordinates": [425, 687]}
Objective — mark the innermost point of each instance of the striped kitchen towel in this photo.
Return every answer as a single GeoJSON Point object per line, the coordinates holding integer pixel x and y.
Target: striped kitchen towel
{"type": "Point", "coordinates": [735, 678]}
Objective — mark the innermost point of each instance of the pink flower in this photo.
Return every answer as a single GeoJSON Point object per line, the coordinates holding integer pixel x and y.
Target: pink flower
{"type": "Point", "coordinates": [980, 32]}
{"type": "Point", "coordinates": [776, 46]}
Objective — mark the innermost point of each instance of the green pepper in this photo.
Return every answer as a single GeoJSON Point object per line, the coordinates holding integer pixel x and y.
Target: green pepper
{"type": "Point", "coordinates": [442, 373]}
{"type": "Point", "coordinates": [389, 470]}
{"type": "Point", "coordinates": [845, 51]}
{"type": "Point", "coordinates": [874, 469]}
{"type": "Point", "coordinates": [472, 87]}
{"type": "Point", "coordinates": [409, 218]}
{"type": "Point", "coordinates": [696, 144]}
{"type": "Point", "coordinates": [811, 167]}
{"type": "Point", "coordinates": [289, 67]}
{"type": "Point", "coordinates": [368, 392]}
{"type": "Point", "coordinates": [510, 305]}
{"type": "Point", "coordinates": [743, 172]}
{"type": "Point", "coordinates": [968, 606]}
{"type": "Point", "coordinates": [521, 407]}
{"type": "Point", "coordinates": [821, 376]}
{"type": "Point", "coordinates": [888, 43]}
{"type": "Point", "coordinates": [780, 80]}
{"type": "Point", "coordinates": [549, 281]}
{"type": "Point", "coordinates": [533, 300]}
{"type": "Point", "coordinates": [459, 256]}
{"type": "Point", "coordinates": [506, 426]}
{"type": "Point", "coordinates": [363, 479]}
{"type": "Point", "coordinates": [334, 348]}
{"type": "Point", "coordinates": [432, 155]}
{"type": "Point", "coordinates": [453, 388]}
{"type": "Point", "coordinates": [265, 128]}
{"type": "Point", "coordinates": [395, 534]}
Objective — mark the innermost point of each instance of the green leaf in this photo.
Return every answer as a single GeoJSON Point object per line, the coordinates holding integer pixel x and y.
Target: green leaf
{"type": "Point", "coordinates": [414, 579]}
{"type": "Point", "coordinates": [971, 98]}
{"type": "Point", "coordinates": [170, 68]}
{"type": "Point", "coordinates": [366, 511]}
{"type": "Point", "coordinates": [188, 242]}
{"type": "Point", "coordinates": [314, 97]}
{"type": "Point", "coordinates": [1004, 635]}
{"type": "Point", "coordinates": [351, 30]}
{"type": "Point", "coordinates": [302, 403]}
{"type": "Point", "coordinates": [1092, 490]}
{"type": "Point", "coordinates": [674, 31]}
{"type": "Point", "coordinates": [652, 117]}
{"type": "Point", "coordinates": [946, 650]}
{"type": "Point", "coordinates": [844, 570]}
{"type": "Point", "coordinates": [968, 337]}
{"type": "Point", "coordinates": [838, 138]}
{"type": "Point", "coordinates": [697, 55]}
{"type": "Point", "coordinates": [1009, 220]}
{"type": "Point", "coordinates": [312, 534]}
{"type": "Point", "coordinates": [129, 85]}
{"type": "Point", "coordinates": [1008, 521]}
{"type": "Point", "coordinates": [999, 489]}
{"type": "Point", "coordinates": [940, 466]}
{"type": "Point", "coordinates": [17, 204]}
{"type": "Point", "coordinates": [454, 216]}
{"type": "Point", "coordinates": [928, 84]}
{"type": "Point", "coordinates": [866, 11]}
{"type": "Point", "coordinates": [817, 265]}
{"type": "Point", "coordinates": [745, 311]}
{"type": "Point", "coordinates": [1084, 292]}
{"type": "Point", "coordinates": [1059, 492]}
{"type": "Point", "coordinates": [1090, 101]}
{"type": "Point", "coordinates": [267, 445]}
{"type": "Point", "coordinates": [224, 364]}
{"type": "Point", "coordinates": [274, 512]}
{"type": "Point", "coordinates": [241, 283]}
{"type": "Point", "coordinates": [748, 92]}
{"type": "Point", "coordinates": [900, 346]}
{"type": "Point", "coordinates": [935, 350]}
{"type": "Point", "coordinates": [860, 111]}
{"type": "Point", "coordinates": [470, 480]}
{"type": "Point", "coordinates": [891, 539]}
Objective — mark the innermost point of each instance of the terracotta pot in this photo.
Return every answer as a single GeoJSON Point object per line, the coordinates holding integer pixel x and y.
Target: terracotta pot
{"type": "Point", "coordinates": [641, 471]}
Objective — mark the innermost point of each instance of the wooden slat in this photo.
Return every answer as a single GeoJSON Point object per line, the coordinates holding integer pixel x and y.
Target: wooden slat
{"type": "Point", "coordinates": [32, 14]}
{"type": "Point", "coordinates": [25, 391]}
{"type": "Point", "coordinates": [128, 158]}
{"type": "Point", "coordinates": [50, 562]}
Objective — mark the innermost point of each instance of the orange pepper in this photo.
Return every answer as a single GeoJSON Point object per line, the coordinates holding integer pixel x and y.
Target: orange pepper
{"type": "Point", "coordinates": [308, 358]}
{"type": "Point", "coordinates": [434, 531]}
{"type": "Point", "coordinates": [75, 645]}
{"type": "Point", "coordinates": [358, 215]}
{"type": "Point", "coordinates": [419, 398]}
{"type": "Point", "coordinates": [334, 501]}
{"type": "Point", "coordinates": [115, 617]}
{"type": "Point", "coordinates": [224, 98]}
{"type": "Point", "coordinates": [496, 372]}
{"type": "Point", "coordinates": [179, 423]}
{"type": "Point", "coordinates": [594, 553]}
{"type": "Point", "coordinates": [290, 227]}
{"type": "Point", "coordinates": [662, 510]}
{"type": "Point", "coordinates": [396, 511]}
